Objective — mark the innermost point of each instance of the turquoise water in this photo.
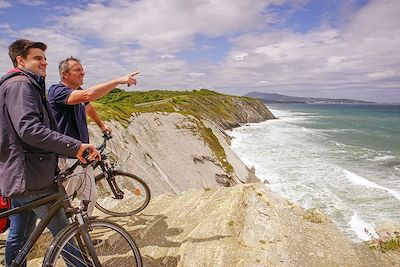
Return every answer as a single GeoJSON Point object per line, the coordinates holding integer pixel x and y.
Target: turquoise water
{"type": "Point", "coordinates": [344, 159]}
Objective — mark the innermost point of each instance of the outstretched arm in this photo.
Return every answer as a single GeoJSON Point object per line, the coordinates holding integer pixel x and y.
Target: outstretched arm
{"type": "Point", "coordinates": [99, 90]}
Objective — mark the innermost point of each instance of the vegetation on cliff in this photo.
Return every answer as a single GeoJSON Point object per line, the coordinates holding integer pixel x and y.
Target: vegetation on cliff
{"type": "Point", "coordinates": [202, 104]}
{"type": "Point", "coordinates": [224, 110]}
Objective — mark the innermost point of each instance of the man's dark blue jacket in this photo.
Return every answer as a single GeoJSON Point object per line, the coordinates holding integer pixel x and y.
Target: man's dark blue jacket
{"type": "Point", "coordinates": [28, 141]}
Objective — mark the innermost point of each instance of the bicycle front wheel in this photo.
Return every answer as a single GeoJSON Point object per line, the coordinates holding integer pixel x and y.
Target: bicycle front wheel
{"type": "Point", "coordinates": [112, 244]}
{"type": "Point", "coordinates": [135, 194]}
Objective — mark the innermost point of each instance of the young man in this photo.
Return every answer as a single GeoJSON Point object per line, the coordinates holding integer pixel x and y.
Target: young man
{"type": "Point", "coordinates": [70, 104]}
{"type": "Point", "coordinates": [29, 144]}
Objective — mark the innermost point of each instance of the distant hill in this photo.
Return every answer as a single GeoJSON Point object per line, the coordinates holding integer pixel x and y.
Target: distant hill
{"type": "Point", "coordinates": [277, 98]}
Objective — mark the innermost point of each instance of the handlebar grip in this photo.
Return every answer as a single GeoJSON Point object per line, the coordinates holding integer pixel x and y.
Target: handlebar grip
{"type": "Point", "coordinates": [107, 136]}
{"type": "Point", "coordinates": [85, 153]}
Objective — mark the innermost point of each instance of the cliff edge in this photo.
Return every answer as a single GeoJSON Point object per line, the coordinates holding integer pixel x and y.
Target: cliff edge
{"type": "Point", "coordinates": [174, 153]}
{"type": "Point", "coordinates": [243, 225]}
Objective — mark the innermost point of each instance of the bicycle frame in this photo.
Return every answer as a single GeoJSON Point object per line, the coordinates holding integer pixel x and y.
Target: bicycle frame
{"type": "Point", "coordinates": [60, 203]}
{"type": "Point", "coordinates": [60, 200]}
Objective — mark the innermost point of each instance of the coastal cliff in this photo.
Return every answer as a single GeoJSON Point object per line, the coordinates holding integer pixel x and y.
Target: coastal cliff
{"type": "Point", "coordinates": [209, 209]}
{"type": "Point", "coordinates": [174, 153]}
{"type": "Point", "coordinates": [184, 145]}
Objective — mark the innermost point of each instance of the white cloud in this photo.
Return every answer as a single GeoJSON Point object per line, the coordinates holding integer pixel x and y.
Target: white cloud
{"type": "Point", "coordinates": [5, 4]}
{"type": "Point", "coordinates": [167, 26]}
{"type": "Point", "coordinates": [383, 74]}
{"type": "Point", "coordinates": [346, 59]}
{"type": "Point", "coordinates": [240, 56]}
{"type": "Point", "coordinates": [335, 59]}
{"type": "Point", "coordinates": [167, 56]}
{"type": "Point", "coordinates": [33, 2]}
{"type": "Point", "coordinates": [5, 62]}
{"type": "Point", "coordinates": [197, 74]}
{"type": "Point", "coordinates": [357, 58]}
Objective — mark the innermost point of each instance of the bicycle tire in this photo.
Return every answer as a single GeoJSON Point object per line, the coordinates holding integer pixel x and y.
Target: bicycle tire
{"type": "Point", "coordinates": [117, 247]}
{"type": "Point", "coordinates": [136, 194]}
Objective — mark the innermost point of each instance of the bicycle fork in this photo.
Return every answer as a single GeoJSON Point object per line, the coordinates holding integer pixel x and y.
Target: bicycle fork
{"type": "Point", "coordinates": [88, 243]}
{"type": "Point", "coordinates": [108, 174]}
{"type": "Point", "coordinates": [118, 193]}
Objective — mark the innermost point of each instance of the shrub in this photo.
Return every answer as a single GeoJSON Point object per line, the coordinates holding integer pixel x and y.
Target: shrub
{"type": "Point", "coordinates": [388, 243]}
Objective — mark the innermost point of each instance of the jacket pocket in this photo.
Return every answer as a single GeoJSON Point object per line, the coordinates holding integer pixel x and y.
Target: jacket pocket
{"type": "Point", "coordinates": [40, 170]}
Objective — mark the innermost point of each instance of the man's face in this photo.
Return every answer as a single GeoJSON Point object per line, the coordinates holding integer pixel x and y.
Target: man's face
{"type": "Point", "coordinates": [74, 76]}
{"type": "Point", "coordinates": [35, 61]}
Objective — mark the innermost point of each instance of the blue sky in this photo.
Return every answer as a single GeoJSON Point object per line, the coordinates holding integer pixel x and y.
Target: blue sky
{"type": "Point", "coordinates": [330, 48]}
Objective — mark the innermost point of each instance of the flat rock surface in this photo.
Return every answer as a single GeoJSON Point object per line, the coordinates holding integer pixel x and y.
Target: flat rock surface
{"type": "Point", "coordinates": [244, 225]}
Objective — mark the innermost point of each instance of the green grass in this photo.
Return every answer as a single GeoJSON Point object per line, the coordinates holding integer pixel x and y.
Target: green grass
{"type": "Point", "coordinates": [119, 104]}
{"type": "Point", "coordinates": [214, 145]}
{"type": "Point", "coordinates": [385, 244]}
{"type": "Point", "coordinates": [391, 244]}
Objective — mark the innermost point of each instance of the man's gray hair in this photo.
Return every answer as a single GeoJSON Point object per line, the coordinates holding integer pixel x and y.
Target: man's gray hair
{"type": "Point", "coordinates": [64, 65]}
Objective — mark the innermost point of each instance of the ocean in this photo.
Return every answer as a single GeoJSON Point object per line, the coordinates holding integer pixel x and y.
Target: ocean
{"type": "Point", "coordinates": [343, 159]}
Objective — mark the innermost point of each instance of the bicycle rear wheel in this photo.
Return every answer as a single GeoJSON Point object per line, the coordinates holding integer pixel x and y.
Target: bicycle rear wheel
{"type": "Point", "coordinates": [116, 248]}
{"type": "Point", "coordinates": [136, 194]}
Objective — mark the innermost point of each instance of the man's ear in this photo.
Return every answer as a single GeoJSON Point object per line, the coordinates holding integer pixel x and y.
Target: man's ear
{"type": "Point", "coordinates": [20, 61]}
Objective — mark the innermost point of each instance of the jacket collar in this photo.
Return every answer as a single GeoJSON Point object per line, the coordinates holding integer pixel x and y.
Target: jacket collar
{"type": "Point", "coordinates": [38, 78]}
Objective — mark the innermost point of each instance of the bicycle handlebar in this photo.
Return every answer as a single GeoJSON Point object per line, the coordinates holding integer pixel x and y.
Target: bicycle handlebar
{"type": "Point", "coordinates": [106, 136]}
{"type": "Point", "coordinates": [63, 175]}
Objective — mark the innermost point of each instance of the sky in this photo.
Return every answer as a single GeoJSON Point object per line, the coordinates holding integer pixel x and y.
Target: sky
{"type": "Point", "coordinates": [315, 48]}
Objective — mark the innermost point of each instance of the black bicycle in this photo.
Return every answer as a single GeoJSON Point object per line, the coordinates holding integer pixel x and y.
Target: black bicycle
{"type": "Point", "coordinates": [119, 193]}
{"type": "Point", "coordinates": [74, 245]}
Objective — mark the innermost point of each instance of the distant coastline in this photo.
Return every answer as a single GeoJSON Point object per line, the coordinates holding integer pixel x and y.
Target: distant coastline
{"type": "Point", "coordinates": [273, 98]}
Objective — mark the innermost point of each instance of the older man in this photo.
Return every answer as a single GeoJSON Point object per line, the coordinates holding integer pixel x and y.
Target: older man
{"type": "Point", "coordinates": [29, 144]}
{"type": "Point", "coordinates": [70, 104]}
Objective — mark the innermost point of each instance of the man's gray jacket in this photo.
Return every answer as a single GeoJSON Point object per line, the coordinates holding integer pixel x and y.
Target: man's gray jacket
{"type": "Point", "coordinates": [28, 141]}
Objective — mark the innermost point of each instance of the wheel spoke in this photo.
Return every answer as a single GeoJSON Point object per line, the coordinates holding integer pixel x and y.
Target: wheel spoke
{"type": "Point", "coordinates": [136, 194]}
{"type": "Point", "coordinates": [115, 247]}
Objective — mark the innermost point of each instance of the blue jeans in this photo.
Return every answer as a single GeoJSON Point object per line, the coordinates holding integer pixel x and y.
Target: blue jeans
{"type": "Point", "coordinates": [22, 224]}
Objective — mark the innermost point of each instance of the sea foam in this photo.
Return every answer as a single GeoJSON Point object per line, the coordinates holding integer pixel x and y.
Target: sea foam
{"type": "Point", "coordinates": [304, 156]}
{"type": "Point", "coordinates": [359, 226]}
{"type": "Point", "coordinates": [358, 180]}
{"type": "Point", "coordinates": [384, 158]}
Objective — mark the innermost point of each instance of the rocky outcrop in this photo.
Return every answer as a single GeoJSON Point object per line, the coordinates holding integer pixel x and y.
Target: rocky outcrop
{"type": "Point", "coordinates": [245, 111]}
{"type": "Point", "coordinates": [244, 225]}
{"type": "Point", "coordinates": [173, 153]}
{"type": "Point", "coordinates": [168, 151]}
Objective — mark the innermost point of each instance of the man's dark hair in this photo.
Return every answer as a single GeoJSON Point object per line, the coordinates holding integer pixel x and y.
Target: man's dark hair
{"type": "Point", "coordinates": [21, 48]}
{"type": "Point", "coordinates": [64, 65]}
